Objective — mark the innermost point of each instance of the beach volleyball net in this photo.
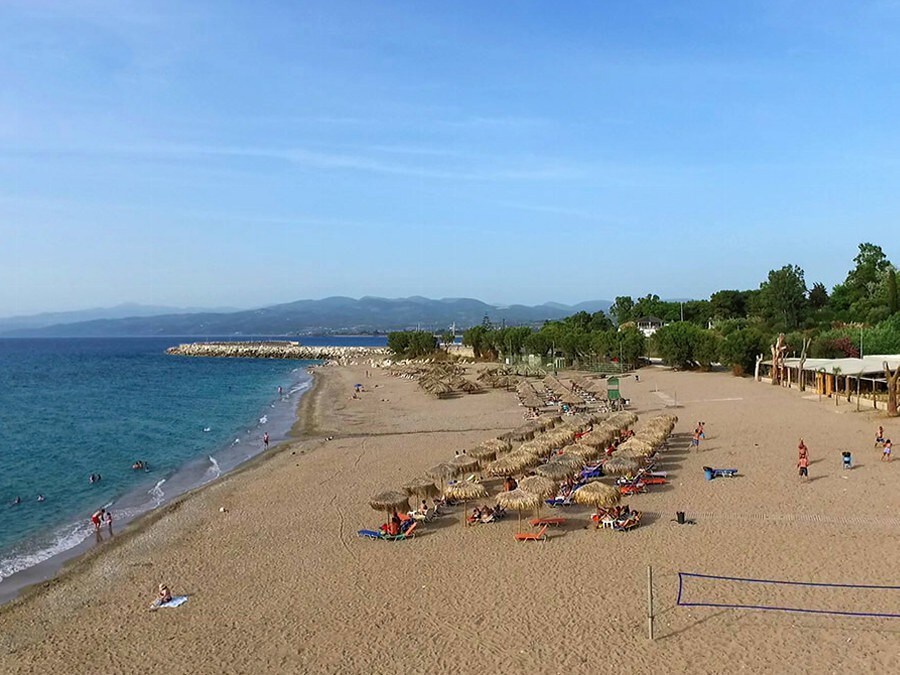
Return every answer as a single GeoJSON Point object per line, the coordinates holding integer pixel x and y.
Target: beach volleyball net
{"type": "Point", "coordinates": [864, 600]}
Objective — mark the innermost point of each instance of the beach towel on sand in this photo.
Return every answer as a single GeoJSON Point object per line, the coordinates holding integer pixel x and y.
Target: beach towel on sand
{"type": "Point", "coordinates": [176, 601]}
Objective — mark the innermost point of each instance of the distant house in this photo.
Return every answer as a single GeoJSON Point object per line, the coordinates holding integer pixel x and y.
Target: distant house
{"type": "Point", "coordinates": [648, 325]}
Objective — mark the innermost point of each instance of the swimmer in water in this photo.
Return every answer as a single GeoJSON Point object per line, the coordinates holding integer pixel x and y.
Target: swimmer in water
{"type": "Point", "coordinates": [41, 498]}
{"type": "Point", "coordinates": [17, 501]}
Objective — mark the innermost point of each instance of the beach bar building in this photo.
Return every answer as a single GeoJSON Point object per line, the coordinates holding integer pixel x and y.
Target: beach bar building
{"type": "Point", "coordinates": [850, 378]}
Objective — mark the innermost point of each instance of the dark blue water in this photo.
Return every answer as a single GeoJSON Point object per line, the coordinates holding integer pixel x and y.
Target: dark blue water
{"type": "Point", "coordinates": [73, 407]}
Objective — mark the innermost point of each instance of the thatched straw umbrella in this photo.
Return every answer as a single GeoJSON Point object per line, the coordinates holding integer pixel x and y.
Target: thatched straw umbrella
{"type": "Point", "coordinates": [597, 494]}
{"type": "Point", "coordinates": [498, 445]}
{"type": "Point", "coordinates": [390, 501]}
{"type": "Point", "coordinates": [443, 472]}
{"type": "Point", "coordinates": [585, 452]}
{"type": "Point", "coordinates": [512, 463]}
{"type": "Point", "coordinates": [556, 471]}
{"type": "Point", "coordinates": [518, 500]}
{"type": "Point", "coordinates": [636, 445]}
{"type": "Point", "coordinates": [464, 463]}
{"type": "Point", "coordinates": [541, 486]}
{"type": "Point", "coordinates": [465, 490]}
{"type": "Point", "coordinates": [574, 461]}
{"type": "Point", "coordinates": [620, 466]}
{"type": "Point", "coordinates": [483, 454]}
{"type": "Point", "coordinates": [422, 488]}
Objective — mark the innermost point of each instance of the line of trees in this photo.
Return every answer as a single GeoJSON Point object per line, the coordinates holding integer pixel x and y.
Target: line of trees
{"type": "Point", "coordinates": [732, 327]}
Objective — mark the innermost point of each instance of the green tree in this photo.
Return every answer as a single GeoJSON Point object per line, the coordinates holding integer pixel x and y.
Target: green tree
{"type": "Point", "coordinates": [478, 338]}
{"type": "Point", "coordinates": [631, 345]}
{"type": "Point", "coordinates": [649, 305]}
{"type": "Point", "coordinates": [782, 297]}
{"type": "Point", "coordinates": [728, 304]}
{"type": "Point", "coordinates": [863, 296]}
{"type": "Point", "coordinates": [622, 309]}
{"type": "Point", "coordinates": [412, 344]}
{"type": "Point", "coordinates": [893, 306]}
{"type": "Point", "coordinates": [740, 348]}
{"type": "Point", "coordinates": [818, 296]}
{"type": "Point", "coordinates": [698, 312]}
{"type": "Point", "coordinates": [685, 345]}
{"type": "Point", "coordinates": [600, 322]}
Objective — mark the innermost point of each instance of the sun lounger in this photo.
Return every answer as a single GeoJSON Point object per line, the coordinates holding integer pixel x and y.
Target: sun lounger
{"type": "Point", "coordinates": [633, 488]}
{"type": "Point", "coordinates": [719, 473]}
{"type": "Point", "coordinates": [540, 535]}
{"type": "Point", "coordinates": [547, 521]}
{"type": "Point", "coordinates": [407, 534]}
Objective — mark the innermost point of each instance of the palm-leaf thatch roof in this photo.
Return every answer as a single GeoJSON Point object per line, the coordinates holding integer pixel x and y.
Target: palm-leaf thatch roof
{"type": "Point", "coordinates": [583, 452]}
{"type": "Point", "coordinates": [482, 453]}
{"type": "Point", "coordinates": [511, 463]}
{"type": "Point", "coordinates": [390, 500]}
{"type": "Point", "coordinates": [421, 487]}
{"type": "Point", "coordinates": [571, 460]}
{"type": "Point", "coordinates": [443, 471]}
{"type": "Point", "coordinates": [518, 500]}
{"type": "Point", "coordinates": [619, 466]}
{"type": "Point", "coordinates": [465, 490]}
{"type": "Point", "coordinates": [464, 462]}
{"type": "Point", "coordinates": [597, 494]}
{"type": "Point", "coordinates": [541, 486]}
{"type": "Point", "coordinates": [556, 470]}
{"type": "Point", "coordinates": [498, 444]}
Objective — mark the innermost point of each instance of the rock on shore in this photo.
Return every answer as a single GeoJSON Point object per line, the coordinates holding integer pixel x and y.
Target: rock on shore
{"type": "Point", "coordinates": [278, 350]}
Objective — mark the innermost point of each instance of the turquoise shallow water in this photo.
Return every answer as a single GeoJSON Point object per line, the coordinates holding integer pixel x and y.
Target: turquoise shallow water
{"type": "Point", "coordinates": [73, 407]}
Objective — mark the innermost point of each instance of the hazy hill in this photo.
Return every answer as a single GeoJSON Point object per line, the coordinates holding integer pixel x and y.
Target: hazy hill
{"type": "Point", "coordinates": [130, 309]}
{"type": "Point", "coordinates": [330, 315]}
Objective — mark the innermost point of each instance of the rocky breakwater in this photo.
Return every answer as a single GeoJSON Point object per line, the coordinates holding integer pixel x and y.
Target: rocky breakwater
{"type": "Point", "coordinates": [279, 350]}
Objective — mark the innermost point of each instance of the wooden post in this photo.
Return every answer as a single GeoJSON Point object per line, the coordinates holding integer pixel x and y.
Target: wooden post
{"type": "Point", "coordinates": [650, 602]}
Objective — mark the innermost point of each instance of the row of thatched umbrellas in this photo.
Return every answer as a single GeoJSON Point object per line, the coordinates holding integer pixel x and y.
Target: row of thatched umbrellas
{"type": "Point", "coordinates": [563, 393]}
{"type": "Point", "coordinates": [596, 388]}
{"type": "Point", "coordinates": [532, 490]}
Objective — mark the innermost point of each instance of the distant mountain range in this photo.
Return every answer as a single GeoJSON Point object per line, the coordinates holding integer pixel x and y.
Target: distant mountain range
{"type": "Point", "coordinates": [303, 317]}
{"type": "Point", "coordinates": [128, 309]}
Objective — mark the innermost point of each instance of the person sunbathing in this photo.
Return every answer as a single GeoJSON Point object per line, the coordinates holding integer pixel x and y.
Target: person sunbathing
{"type": "Point", "coordinates": [163, 596]}
{"type": "Point", "coordinates": [487, 515]}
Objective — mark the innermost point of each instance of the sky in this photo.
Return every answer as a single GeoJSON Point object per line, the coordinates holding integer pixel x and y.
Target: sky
{"type": "Point", "coordinates": [219, 153]}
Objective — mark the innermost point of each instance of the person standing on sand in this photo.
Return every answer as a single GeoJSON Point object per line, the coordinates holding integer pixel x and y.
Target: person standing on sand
{"type": "Point", "coordinates": [97, 519]}
{"type": "Point", "coordinates": [879, 437]}
{"type": "Point", "coordinates": [803, 460]}
{"type": "Point", "coordinates": [695, 439]}
{"type": "Point", "coordinates": [109, 522]}
{"type": "Point", "coordinates": [266, 440]}
{"type": "Point", "coordinates": [886, 453]}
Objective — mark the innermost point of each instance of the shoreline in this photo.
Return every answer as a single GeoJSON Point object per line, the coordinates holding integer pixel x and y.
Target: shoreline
{"type": "Point", "coordinates": [47, 572]}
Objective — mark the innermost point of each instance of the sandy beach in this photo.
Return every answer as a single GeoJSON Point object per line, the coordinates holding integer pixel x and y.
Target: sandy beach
{"type": "Point", "coordinates": [281, 583]}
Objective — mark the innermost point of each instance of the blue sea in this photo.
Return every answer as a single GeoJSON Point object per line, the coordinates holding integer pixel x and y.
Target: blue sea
{"type": "Point", "coordinates": [70, 408]}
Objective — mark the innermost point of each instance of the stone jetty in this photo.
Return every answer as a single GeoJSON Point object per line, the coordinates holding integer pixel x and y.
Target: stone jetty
{"type": "Point", "coordinates": [278, 350]}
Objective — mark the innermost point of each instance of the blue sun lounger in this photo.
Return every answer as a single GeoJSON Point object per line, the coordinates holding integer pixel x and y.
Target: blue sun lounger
{"type": "Point", "coordinates": [719, 473]}
{"type": "Point", "coordinates": [371, 534]}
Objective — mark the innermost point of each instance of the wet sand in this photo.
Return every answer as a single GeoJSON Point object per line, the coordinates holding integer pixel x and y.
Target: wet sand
{"type": "Point", "coordinates": [281, 583]}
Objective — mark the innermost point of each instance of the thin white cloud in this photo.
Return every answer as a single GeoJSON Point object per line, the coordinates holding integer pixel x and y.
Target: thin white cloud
{"type": "Point", "coordinates": [470, 169]}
